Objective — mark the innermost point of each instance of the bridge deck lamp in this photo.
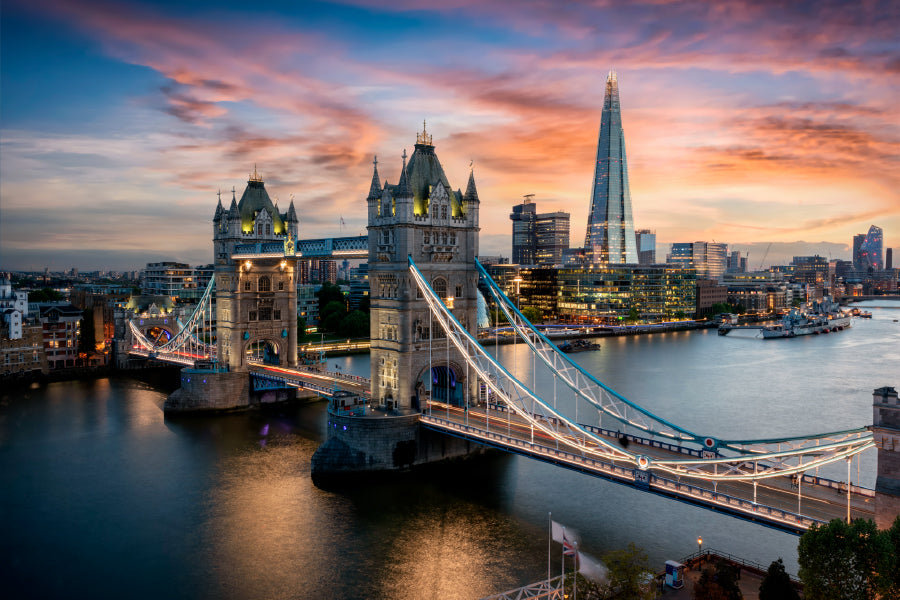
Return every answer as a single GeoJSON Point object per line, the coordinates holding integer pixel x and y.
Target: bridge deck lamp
{"type": "Point", "coordinates": [247, 265]}
{"type": "Point", "coordinates": [699, 546]}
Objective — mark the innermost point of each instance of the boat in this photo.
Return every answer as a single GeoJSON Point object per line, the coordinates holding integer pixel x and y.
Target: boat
{"type": "Point", "coordinates": [862, 314]}
{"type": "Point", "coordinates": [825, 317]}
{"type": "Point", "coordinates": [578, 346]}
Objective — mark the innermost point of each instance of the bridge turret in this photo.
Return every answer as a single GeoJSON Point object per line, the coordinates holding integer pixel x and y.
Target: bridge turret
{"type": "Point", "coordinates": [886, 433]}
{"type": "Point", "coordinates": [470, 199]}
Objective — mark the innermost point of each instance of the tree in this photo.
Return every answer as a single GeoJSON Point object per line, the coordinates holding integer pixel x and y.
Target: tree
{"type": "Point", "coordinates": [364, 304]}
{"type": "Point", "coordinates": [301, 329]}
{"type": "Point", "coordinates": [719, 582]}
{"type": "Point", "coordinates": [679, 315]}
{"type": "Point", "coordinates": [628, 570]}
{"type": "Point", "coordinates": [890, 576]}
{"type": "Point", "coordinates": [354, 325]}
{"type": "Point", "coordinates": [840, 561]}
{"type": "Point", "coordinates": [535, 315]}
{"type": "Point", "coordinates": [720, 308]}
{"type": "Point", "coordinates": [776, 585]}
{"type": "Point", "coordinates": [634, 315]}
{"type": "Point", "coordinates": [44, 295]}
{"type": "Point", "coordinates": [329, 293]}
{"type": "Point", "coordinates": [332, 314]}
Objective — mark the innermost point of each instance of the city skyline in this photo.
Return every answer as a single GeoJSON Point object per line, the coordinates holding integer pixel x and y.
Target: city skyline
{"type": "Point", "coordinates": [746, 124]}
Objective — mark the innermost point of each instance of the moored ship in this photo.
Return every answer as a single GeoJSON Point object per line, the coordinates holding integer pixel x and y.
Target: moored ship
{"type": "Point", "coordinates": [826, 317]}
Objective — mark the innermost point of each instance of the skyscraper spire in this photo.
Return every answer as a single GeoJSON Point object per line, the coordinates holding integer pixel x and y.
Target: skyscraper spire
{"type": "Point", "coordinates": [610, 231]}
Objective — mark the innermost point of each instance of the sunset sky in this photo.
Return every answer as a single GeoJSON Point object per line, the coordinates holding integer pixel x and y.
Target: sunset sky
{"type": "Point", "coordinates": [745, 122]}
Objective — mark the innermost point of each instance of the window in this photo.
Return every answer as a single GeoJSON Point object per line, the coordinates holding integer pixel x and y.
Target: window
{"type": "Point", "coordinates": [439, 285]}
{"type": "Point", "coordinates": [427, 237]}
{"type": "Point", "coordinates": [443, 212]}
{"type": "Point", "coordinates": [264, 285]}
{"type": "Point", "coordinates": [265, 313]}
{"type": "Point", "coordinates": [268, 229]}
{"type": "Point", "coordinates": [259, 229]}
{"type": "Point", "coordinates": [277, 314]}
{"type": "Point", "coordinates": [252, 315]}
{"type": "Point", "coordinates": [459, 291]}
{"type": "Point", "coordinates": [247, 285]}
{"type": "Point", "coordinates": [280, 286]}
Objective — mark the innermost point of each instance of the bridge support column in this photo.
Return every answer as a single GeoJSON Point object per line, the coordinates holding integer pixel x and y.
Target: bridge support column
{"type": "Point", "coordinates": [208, 390]}
{"type": "Point", "coordinates": [886, 431]}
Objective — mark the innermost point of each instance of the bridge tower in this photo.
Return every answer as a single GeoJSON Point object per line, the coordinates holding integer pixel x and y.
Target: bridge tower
{"type": "Point", "coordinates": [886, 432]}
{"type": "Point", "coordinates": [422, 217]}
{"type": "Point", "coordinates": [256, 285]}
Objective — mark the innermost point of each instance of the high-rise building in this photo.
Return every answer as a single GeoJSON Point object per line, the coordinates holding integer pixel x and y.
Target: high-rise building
{"type": "Point", "coordinates": [707, 258]}
{"type": "Point", "coordinates": [538, 239]}
{"type": "Point", "coordinates": [552, 237]}
{"type": "Point", "coordinates": [735, 263]}
{"type": "Point", "coordinates": [871, 250]}
{"type": "Point", "coordinates": [858, 240]}
{"type": "Point", "coordinates": [889, 259]}
{"type": "Point", "coordinates": [523, 218]}
{"type": "Point", "coordinates": [646, 244]}
{"type": "Point", "coordinates": [610, 234]}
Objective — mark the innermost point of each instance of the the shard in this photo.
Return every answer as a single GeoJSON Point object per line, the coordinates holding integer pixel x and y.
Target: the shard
{"type": "Point", "coordinates": [610, 231]}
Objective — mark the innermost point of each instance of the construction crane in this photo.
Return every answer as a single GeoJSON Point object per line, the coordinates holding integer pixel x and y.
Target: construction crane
{"type": "Point", "coordinates": [769, 247]}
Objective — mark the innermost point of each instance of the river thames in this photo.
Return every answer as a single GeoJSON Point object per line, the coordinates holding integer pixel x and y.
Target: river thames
{"type": "Point", "coordinates": [104, 497]}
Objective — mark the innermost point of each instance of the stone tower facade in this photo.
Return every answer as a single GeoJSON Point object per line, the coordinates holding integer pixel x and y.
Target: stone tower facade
{"type": "Point", "coordinates": [422, 217]}
{"type": "Point", "coordinates": [256, 279]}
{"type": "Point", "coordinates": [886, 432]}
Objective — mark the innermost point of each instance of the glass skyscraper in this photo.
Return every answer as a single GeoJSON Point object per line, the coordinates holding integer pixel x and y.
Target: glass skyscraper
{"type": "Point", "coordinates": [610, 235]}
{"type": "Point", "coordinates": [871, 250]}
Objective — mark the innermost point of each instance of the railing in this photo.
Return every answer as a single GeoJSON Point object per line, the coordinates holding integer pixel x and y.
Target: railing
{"type": "Point", "coordinates": [736, 560]}
{"type": "Point", "coordinates": [551, 588]}
{"type": "Point", "coordinates": [784, 518]}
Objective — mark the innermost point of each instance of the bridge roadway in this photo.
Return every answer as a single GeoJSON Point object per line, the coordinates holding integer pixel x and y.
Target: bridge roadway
{"type": "Point", "coordinates": [777, 499]}
{"type": "Point", "coordinates": [322, 381]}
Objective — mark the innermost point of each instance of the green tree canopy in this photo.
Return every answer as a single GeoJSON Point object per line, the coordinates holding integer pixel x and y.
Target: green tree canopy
{"type": "Point", "coordinates": [44, 295]}
{"type": "Point", "coordinates": [355, 325]}
{"type": "Point", "coordinates": [301, 329]}
{"type": "Point", "coordinates": [533, 314]}
{"type": "Point", "coordinates": [329, 293]}
{"type": "Point", "coordinates": [776, 585]}
{"type": "Point", "coordinates": [840, 561]}
{"type": "Point", "coordinates": [634, 315]}
{"type": "Point", "coordinates": [628, 570]}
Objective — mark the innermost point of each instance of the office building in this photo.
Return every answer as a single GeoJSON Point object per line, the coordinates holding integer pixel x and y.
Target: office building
{"type": "Point", "coordinates": [610, 234]}
{"type": "Point", "coordinates": [706, 258]}
{"type": "Point", "coordinates": [646, 243]}
{"type": "Point", "coordinates": [871, 250]}
{"type": "Point", "coordinates": [538, 238]}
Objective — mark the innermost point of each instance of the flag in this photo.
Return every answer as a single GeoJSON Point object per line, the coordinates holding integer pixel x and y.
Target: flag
{"type": "Point", "coordinates": [567, 538]}
{"type": "Point", "coordinates": [592, 569]}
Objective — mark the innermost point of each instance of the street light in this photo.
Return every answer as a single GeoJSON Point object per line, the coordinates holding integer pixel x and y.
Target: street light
{"type": "Point", "coordinates": [699, 546]}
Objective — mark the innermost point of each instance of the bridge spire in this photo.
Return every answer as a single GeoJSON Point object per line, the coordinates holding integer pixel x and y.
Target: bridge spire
{"type": "Point", "coordinates": [375, 187]}
{"type": "Point", "coordinates": [471, 192]}
{"type": "Point", "coordinates": [403, 190]}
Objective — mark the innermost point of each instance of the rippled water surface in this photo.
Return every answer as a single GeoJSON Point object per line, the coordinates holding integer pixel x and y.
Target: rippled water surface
{"type": "Point", "coordinates": [102, 496]}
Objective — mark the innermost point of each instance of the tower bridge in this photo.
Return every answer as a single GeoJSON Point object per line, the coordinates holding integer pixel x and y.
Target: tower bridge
{"type": "Point", "coordinates": [436, 394]}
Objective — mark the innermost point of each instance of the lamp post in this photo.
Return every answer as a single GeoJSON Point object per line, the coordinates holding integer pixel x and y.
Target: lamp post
{"type": "Point", "coordinates": [699, 549]}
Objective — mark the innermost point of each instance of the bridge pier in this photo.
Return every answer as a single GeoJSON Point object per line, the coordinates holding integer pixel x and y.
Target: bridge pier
{"type": "Point", "coordinates": [886, 432]}
{"type": "Point", "coordinates": [209, 390]}
{"type": "Point", "coordinates": [364, 441]}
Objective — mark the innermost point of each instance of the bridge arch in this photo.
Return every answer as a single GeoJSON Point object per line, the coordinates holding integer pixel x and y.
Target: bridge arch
{"type": "Point", "coordinates": [448, 382]}
{"type": "Point", "coordinates": [265, 349]}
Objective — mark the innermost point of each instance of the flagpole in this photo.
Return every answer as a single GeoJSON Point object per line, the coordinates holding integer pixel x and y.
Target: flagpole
{"type": "Point", "coordinates": [549, 541]}
{"type": "Point", "coordinates": [563, 570]}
